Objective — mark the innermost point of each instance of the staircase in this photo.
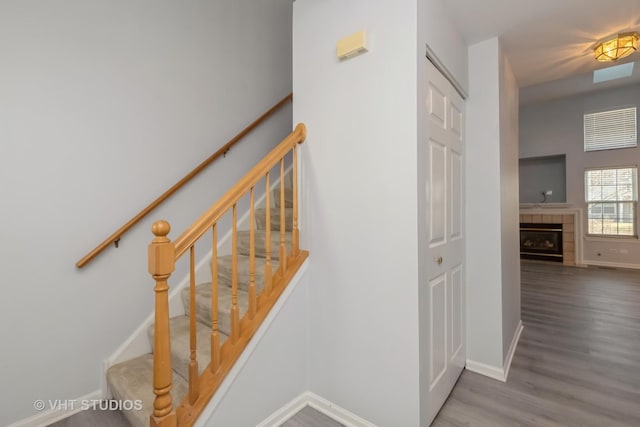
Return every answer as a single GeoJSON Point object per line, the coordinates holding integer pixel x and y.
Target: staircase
{"type": "Point", "coordinates": [221, 316]}
{"type": "Point", "coordinates": [133, 380]}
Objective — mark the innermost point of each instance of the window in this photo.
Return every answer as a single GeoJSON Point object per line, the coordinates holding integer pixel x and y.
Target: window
{"type": "Point", "coordinates": [612, 196]}
{"type": "Point", "coordinates": [608, 130]}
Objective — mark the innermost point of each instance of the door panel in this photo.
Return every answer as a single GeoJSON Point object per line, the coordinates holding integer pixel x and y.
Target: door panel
{"type": "Point", "coordinates": [456, 194]}
{"type": "Point", "coordinates": [445, 228]}
{"type": "Point", "coordinates": [437, 168]}
{"type": "Point", "coordinates": [438, 335]}
{"type": "Point", "coordinates": [455, 318]}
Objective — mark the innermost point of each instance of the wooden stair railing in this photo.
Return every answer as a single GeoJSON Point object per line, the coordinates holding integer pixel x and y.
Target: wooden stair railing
{"type": "Point", "coordinates": [163, 255]}
{"type": "Point", "coordinates": [115, 237]}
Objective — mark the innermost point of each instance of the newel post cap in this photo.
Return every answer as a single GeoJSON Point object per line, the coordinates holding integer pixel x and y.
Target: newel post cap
{"type": "Point", "coordinates": [302, 130]}
{"type": "Point", "coordinates": [161, 251]}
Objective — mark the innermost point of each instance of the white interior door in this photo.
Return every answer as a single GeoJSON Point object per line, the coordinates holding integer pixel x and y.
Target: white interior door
{"type": "Point", "coordinates": [445, 229]}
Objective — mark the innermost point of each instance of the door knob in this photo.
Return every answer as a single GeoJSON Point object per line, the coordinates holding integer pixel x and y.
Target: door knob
{"type": "Point", "coordinates": [439, 260]}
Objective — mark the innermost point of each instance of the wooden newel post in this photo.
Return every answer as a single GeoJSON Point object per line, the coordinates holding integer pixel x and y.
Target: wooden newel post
{"type": "Point", "coordinates": [161, 265]}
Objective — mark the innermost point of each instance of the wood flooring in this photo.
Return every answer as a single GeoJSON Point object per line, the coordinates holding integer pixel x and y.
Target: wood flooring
{"type": "Point", "coordinates": [306, 417]}
{"type": "Point", "coordinates": [578, 360]}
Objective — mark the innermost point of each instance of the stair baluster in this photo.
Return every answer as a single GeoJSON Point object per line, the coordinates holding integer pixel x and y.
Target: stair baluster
{"type": "Point", "coordinates": [253, 299]}
{"type": "Point", "coordinates": [235, 312]}
{"type": "Point", "coordinates": [268, 272]}
{"type": "Point", "coordinates": [215, 336]}
{"type": "Point", "coordinates": [194, 387]}
{"type": "Point", "coordinates": [161, 265]}
{"type": "Point", "coordinates": [283, 223]}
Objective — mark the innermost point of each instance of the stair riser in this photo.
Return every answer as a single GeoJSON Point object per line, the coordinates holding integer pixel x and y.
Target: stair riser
{"type": "Point", "coordinates": [133, 380]}
{"type": "Point", "coordinates": [261, 219]}
{"type": "Point", "coordinates": [288, 197]}
{"type": "Point", "coordinates": [225, 272]}
{"type": "Point", "coordinates": [260, 239]}
{"type": "Point", "coordinates": [180, 349]}
{"type": "Point", "coordinates": [203, 306]}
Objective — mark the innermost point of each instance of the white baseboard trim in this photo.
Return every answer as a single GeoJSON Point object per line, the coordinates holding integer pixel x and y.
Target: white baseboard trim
{"type": "Point", "coordinates": [512, 350]}
{"type": "Point", "coordinates": [486, 370]}
{"type": "Point", "coordinates": [612, 264]}
{"type": "Point", "coordinates": [320, 404]}
{"type": "Point", "coordinates": [287, 411]}
{"type": "Point", "coordinates": [336, 412]}
{"type": "Point", "coordinates": [498, 373]}
{"type": "Point", "coordinates": [57, 410]}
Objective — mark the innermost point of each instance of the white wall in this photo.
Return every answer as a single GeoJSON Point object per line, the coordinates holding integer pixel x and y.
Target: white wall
{"type": "Point", "coordinates": [493, 273]}
{"type": "Point", "coordinates": [360, 205]}
{"type": "Point", "coordinates": [104, 105]}
{"type": "Point", "coordinates": [509, 204]}
{"type": "Point", "coordinates": [436, 29]}
{"type": "Point", "coordinates": [483, 203]}
{"type": "Point", "coordinates": [556, 127]}
{"type": "Point", "coordinates": [275, 371]}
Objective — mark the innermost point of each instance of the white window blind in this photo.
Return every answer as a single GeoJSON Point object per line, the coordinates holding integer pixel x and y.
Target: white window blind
{"type": "Point", "coordinates": [608, 130]}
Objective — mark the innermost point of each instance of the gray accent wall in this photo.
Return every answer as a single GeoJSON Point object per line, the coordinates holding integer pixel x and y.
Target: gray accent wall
{"type": "Point", "coordinates": [541, 174]}
{"type": "Point", "coordinates": [103, 106]}
{"type": "Point", "coordinates": [556, 127]}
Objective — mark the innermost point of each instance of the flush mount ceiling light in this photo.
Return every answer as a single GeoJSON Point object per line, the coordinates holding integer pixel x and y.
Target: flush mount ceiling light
{"type": "Point", "coordinates": [622, 45]}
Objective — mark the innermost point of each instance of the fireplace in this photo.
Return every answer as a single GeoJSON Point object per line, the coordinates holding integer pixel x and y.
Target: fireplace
{"type": "Point", "coordinates": [541, 241]}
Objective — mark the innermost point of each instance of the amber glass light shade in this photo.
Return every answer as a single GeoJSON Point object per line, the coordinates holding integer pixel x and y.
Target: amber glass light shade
{"type": "Point", "coordinates": [616, 48]}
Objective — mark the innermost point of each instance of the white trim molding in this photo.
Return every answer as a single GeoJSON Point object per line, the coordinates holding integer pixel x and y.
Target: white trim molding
{"type": "Point", "coordinates": [330, 409]}
{"type": "Point", "coordinates": [512, 350]}
{"type": "Point", "coordinates": [612, 264]}
{"type": "Point", "coordinates": [53, 411]}
{"type": "Point", "coordinates": [494, 372]}
{"type": "Point", "coordinates": [431, 56]}
{"type": "Point", "coordinates": [486, 370]}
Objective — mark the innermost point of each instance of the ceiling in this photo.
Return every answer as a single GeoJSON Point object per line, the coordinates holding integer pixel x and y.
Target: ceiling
{"type": "Point", "coordinates": [548, 40]}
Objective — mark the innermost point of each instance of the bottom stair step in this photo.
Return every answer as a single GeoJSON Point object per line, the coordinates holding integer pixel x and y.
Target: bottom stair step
{"type": "Point", "coordinates": [180, 351]}
{"type": "Point", "coordinates": [133, 380]}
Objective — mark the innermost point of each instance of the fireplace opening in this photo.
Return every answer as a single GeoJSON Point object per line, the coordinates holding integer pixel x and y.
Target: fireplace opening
{"type": "Point", "coordinates": [541, 241]}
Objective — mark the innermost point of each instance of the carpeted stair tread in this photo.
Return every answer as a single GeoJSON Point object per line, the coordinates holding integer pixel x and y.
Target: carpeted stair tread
{"type": "Point", "coordinates": [133, 380]}
{"type": "Point", "coordinates": [225, 271]}
{"type": "Point", "coordinates": [180, 352]}
{"type": "Point", "coordinates": [203, 305]}
{"type": "Point", "coordinates": [261, 219]}
{"type": "Point", "coordinates": [288, 197]}
{"type": "Point", "coordinates": [244, 239]}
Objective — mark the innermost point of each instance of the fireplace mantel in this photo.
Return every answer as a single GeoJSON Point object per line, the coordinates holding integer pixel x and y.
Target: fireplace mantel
{"type": "Point", "coordinates": [545, 205]}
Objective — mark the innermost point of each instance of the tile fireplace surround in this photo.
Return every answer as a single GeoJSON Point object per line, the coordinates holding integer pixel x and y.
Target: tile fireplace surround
{"type": "Point", "coordinates": [571, 220]}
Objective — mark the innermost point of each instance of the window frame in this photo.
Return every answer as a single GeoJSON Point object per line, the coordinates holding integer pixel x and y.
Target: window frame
{"type": "Point", "coordinates": [633, 202]}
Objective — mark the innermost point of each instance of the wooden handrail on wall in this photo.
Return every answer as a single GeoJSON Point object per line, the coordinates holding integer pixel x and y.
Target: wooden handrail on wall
{"type": "Point", "coordinates": [115, 237]}
{"type": "Point", "coordinates": [163, 254]}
